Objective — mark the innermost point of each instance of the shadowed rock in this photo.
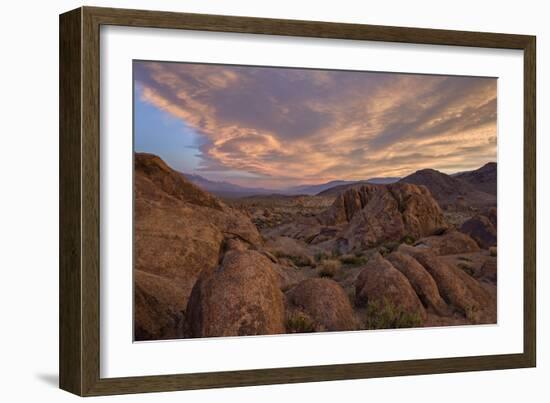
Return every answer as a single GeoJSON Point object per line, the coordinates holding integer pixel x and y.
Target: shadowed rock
{"type": "Point", "coordinates": [481, 230]}
{"type": "Point", "coordinates": [492, 216]}
{"type": "Point", "coordinates": [158, 307]}
{"type": "Point", "coordinates": [241, 297]}
{"type": "Point", "coordinates": [489, 270]}
{"type": "Point", "coordinates": [450, 243]}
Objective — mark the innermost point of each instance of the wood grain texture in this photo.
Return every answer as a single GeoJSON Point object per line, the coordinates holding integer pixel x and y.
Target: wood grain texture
{"type": "Point", "coordinates": [530, 203]}
{"type": "Point", "coordinates": [80, 201]}
{"type": "Point", "coordinates": [70, 314]}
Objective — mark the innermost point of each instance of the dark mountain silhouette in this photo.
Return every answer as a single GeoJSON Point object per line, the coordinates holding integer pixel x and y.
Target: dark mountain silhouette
{"type": "Point", "coordinates": [315, 189]}
{"type": "Point", "coordinates": [483, 179]}
{"type": "Point", "coordinates": [230, 190]}
{"type": "Point", "coordinates": [336, 190]}
{"type": "Point", "coordinates": [225, 189]}
{"type": "Point", "coordinates": [449, 190]}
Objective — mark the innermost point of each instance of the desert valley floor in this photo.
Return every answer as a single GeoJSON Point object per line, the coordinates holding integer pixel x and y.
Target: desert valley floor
{"type": "Point", "coordinates": [417, 252]}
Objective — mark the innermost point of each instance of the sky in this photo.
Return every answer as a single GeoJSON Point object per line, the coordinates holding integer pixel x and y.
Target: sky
{"type": "Point", "coordinates": [277, 127]}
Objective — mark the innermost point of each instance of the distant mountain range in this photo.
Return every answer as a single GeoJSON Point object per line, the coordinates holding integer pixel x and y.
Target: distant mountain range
{"type": "Point", "coordinates": [227, 189]}
{"type": "Point", "coordinates": [477, 187]}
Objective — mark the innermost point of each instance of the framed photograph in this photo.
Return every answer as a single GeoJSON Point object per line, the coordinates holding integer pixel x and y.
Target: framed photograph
{"type": "Point", "coordinates": [249, 201]}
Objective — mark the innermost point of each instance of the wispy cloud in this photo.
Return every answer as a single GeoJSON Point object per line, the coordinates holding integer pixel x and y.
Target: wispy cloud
{"type": "Point", "coordinates": [288, 126]}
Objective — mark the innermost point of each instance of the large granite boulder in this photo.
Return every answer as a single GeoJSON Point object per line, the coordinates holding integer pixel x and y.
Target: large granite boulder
{"type": "Point", "coordinates": [239, 298]}
{"type": "Point", "coordinates": [325, 302]}
{"type": "Point", "coordinates": [179, 230]}
{"type": "Point", "coordinates": [380, 283]}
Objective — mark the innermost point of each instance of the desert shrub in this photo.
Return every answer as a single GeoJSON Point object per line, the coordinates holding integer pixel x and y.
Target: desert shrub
{"type": "Point", "coordinates": [300, 261]}
{"type": "Point", "coordinates": [493, 251]}
{"type": "Point", "coordinates": [408, 239]}
{"type": "Point", "coordinates": [385, 315]}
{"type": "Point", "coordinates": [353, 260]}
{"type": "Point", "coordinates": [299, 322]}
{"type": "Point", "coordinates": [464, 258]}
{"type": "Point", "coordinates": [328, 267]}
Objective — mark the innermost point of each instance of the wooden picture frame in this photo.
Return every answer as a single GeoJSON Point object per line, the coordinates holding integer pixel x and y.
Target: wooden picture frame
{"type": "Point", "coordinates": [79, 346]}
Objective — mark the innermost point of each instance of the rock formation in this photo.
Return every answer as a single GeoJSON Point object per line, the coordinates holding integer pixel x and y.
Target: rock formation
{"type": "Point", "coordinates": [240, 297]}
{"type": "Point", "coordinates": [456, 287]}
{"type": "Point", "coordinates": [179, 231]}
{"type": "Point", "coordinates": [423, 283]}
{"type": "Point", "coordinates": [380, 283]}
{"type": "Point", "coordinates": [449, 243]}
{"type": "Point", "coordinates": [325, 302]}
{"type": "Point", "coordinates": [372, 214]}
{"type": "Point", "coordinates": [482, 230]}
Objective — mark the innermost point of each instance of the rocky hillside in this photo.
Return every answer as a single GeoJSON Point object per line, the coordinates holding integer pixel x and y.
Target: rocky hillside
{"type": "Point", "coordinates": [180, 231]}
{"type": "Point", "coordinates": [483, 179]}
{"type": "Point", "coordinates": [381, 256]}
{"type": "Point", "coordinates": [449, 191]}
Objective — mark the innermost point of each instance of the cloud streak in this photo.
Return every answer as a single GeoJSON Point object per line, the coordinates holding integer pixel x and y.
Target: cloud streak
{"type": "Point", "coordinates": [283, 127]}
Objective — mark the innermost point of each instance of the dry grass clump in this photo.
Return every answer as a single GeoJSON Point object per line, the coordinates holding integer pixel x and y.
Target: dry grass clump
{"type": "Point", "coordinates": [300, 322]}
{"type": "Point", "coordinates": [353, 260]}
{"type": "Point", "coordinates": [385, 315]}
{"type": "Point", "coordinates": [328, 267]}
{"type": "Point", "coordinates": [409, 240]}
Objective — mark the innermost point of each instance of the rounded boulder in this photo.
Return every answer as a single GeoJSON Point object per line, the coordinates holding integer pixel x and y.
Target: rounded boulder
{"type": "Point", "coordinates": [239, 298]}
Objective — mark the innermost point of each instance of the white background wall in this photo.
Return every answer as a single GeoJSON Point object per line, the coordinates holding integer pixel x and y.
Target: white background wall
{"type": "Point", "coordinates": [29, 198]}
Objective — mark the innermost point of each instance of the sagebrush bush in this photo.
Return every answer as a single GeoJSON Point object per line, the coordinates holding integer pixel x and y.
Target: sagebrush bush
{"type": "Point", "coordinates": [408, 239]}
{"type": "Point", "coordinates": [329, 267]}
{"type": "Point", "coordinates": [353, 260]}
{"type": "Point", "coordinates": [300, 261]}
{"type": "Point", "coordinates": [299, 322]}
{"type": "Point", "coordinates": [385, 315]}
